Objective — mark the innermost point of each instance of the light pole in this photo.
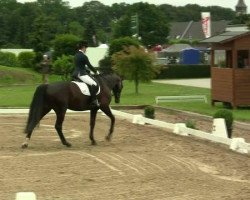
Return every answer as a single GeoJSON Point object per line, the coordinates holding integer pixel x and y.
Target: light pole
{"type": "Point", "coordinates": [135, 25]}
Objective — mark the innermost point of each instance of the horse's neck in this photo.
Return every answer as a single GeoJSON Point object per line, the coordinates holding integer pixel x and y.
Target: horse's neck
{"type": "Point", "coordinates": [109, 82]}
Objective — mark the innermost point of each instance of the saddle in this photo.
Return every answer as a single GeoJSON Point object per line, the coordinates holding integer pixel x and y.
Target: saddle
{"type": "Point", "coordinates": [85, 88]}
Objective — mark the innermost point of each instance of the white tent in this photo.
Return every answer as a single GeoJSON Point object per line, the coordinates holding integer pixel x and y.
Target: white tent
{"type": "Point", "coordinates": [95, 54]}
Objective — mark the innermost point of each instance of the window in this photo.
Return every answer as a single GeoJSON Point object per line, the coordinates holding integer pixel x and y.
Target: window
{"type": "Point", "coordinates": [242, 58]}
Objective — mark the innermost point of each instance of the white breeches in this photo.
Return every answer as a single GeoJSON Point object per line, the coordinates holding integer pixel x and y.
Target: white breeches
{"type": "Point", "coordinates": [88, 80]}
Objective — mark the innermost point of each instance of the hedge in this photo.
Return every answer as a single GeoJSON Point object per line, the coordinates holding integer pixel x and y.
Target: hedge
{"type": "Point", "coordinates": [184, 71]}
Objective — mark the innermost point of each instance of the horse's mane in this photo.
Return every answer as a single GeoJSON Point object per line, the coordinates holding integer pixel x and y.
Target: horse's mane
{"type": "Point", "coordinates": [107, 78]}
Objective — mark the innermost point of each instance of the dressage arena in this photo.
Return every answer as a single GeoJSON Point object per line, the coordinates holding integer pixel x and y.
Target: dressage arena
{"type": "Point", "coordinates": [140, 163]}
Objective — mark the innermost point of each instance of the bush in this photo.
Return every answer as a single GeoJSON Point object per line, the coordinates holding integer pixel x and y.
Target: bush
{"type": "Point", "coordinates": [65, 44]}
{"type": "Point", "coordinates": [119, 44]}
{"type": "Point", "coordinates": [64, 66]}
{"type": "Point", "coordinates": [27, 59]}
{"type": "Point", "coordinates": [228, 116]}
{"type": "Point", "coordinates": [8, 59]}
{"type": "Point", "coordinates": [149, 112]}
{"type": "Point", "coordinates": [191, 124]}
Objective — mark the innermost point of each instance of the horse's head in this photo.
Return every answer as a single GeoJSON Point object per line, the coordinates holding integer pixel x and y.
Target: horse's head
{"type": "Point", "coordinates": [117, 89]}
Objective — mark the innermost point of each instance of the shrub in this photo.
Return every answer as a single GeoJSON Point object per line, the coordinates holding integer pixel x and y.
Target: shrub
{"type": "Point", "coordinates": [184, 71]}
{"type": "Point", "coordinates": [8, 59]}
{"type": "Point", "coordinates": [64, 66]}
{"type": "Point", "coordinates": [228, 116]}
{"type": "Point", "coordinates": [27, 59]}
{"type": "Point", "coordinates": [191, 124]}
{"type": "Point", "coordinates": [65, 45]}
{"type": "Point", "coordinates": [149, 112]}
{"type": "Point", "coordinates": [119, 44]}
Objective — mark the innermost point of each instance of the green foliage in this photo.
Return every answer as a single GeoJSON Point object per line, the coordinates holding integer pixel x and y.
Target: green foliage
{"type": "Point", "coordinates": [227, 115]}
{"type": "Point", "coordinates": [117, 45]}
{"type": "Point", "coordinates": [75, 28]}
{"type": "Point", "coordinates": [184, 71]}
{"type": "Point", "coordinates": [105, 65]}
{"type": "Point", "coordinates": [35, 25]}
{"type": "Point", "coordinates": [20, 96]}
{"type": "Point", "coordinates": [41, 36]}
{"type": "Point", "coordinates": [153, 24]}
{"type": "Point", "coordinates": [135, 64]}
{"type": "Point", "coordinates": [26, 59]}
{"type": "Point", "coordinates": [149, 112]}
{"type": "Point", "coordinates": [65, 45]}
{"type": "Point", "coordinates": [16, 75]}
{"type": "Point", "coordinates": [183, 41]}
{"type": "Point", "coordinates": [8, 59]}
{"type": "Point", "coordinates": [191, 124]}
{"type": "Point", "coordinates": [241, 19]}
{"type": "Point", "coordinates": [90, 32]}
{"type": "Point", "coordinates": [64, 66]}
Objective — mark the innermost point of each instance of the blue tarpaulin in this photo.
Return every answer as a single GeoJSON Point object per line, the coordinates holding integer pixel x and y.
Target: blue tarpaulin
{"type": "Point", "coordinates": [190, 56]}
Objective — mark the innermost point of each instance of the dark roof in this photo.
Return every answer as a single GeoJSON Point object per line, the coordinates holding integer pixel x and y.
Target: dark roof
{"type": "Point", "coordinates": [175, 48]}
{"type": "Point", "coordinates": [193, 30]}
{"type": "Point", "coordinates": [226, 37]}
{"type": "Point", "coordinates": [241, 4]}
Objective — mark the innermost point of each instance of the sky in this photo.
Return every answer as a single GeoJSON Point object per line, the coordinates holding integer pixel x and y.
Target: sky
{"type": "Point", "coordinates": [223, 3]}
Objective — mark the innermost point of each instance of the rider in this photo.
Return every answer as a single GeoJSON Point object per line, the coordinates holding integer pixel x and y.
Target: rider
{"type": "Point", "coordinates": [81, 72]}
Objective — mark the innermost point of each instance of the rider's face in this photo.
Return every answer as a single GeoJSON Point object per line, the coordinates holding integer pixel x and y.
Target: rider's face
{"type": "Point", "coordinates": [84, 49]}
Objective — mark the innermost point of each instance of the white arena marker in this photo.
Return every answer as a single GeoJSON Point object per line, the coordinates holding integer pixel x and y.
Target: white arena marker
{"type": "Point", "coordinates": [219, 128]}
{"type": "Point", "coordinates": [236, 144]}
{"type": "Point", "coordinates": [177, 129]}
{"type": "Point", "coordinates": [138, 119]}
{"type": "Point", "coordinates": [25, 196]}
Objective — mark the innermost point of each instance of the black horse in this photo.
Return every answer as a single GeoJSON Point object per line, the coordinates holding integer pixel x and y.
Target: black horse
{"type": "Point", "coordinates": [67, 95]}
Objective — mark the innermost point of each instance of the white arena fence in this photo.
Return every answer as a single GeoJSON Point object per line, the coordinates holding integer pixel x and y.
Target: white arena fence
{"type": "Point", "coordinates": [235, 144]}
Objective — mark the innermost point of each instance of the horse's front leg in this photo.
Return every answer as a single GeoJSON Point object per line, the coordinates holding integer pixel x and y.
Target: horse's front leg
{"type": "Point", "coordinates": [92, 125]}
{"type": "Point", "coordinates": [60, 114]}
{"type": "Point", "coordinates": [108, 112]}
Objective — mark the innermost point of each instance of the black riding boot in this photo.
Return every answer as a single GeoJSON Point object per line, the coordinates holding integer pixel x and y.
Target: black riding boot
{"type": "Point", "coordinates": [93, 98]}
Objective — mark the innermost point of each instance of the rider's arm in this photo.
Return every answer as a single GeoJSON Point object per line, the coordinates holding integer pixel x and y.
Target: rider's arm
{"type": "Point", "coordinates": [89, 65]}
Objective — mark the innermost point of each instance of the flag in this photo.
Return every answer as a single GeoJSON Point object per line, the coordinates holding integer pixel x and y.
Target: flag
{"type": "Point", "coordinates": [206, 24]}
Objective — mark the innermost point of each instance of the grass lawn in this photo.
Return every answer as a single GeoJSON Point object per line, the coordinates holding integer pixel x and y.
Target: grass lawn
{"type": "Point", "coordinates": [12, 95]}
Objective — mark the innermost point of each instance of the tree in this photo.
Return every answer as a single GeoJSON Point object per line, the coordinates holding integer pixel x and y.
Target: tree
{"type": "Point", "coordinates": [151, 24]}
{"type": "Point", "coordinates": [135, 64]}
{"type": "Point", "coordinates": [119, 44]}
{"type": "Point", "coordinates": [241, 19]}
{"type": "Point", "coordinates": [116, 46]}
{"type": "Point", "coordinates": [75, 28]}
{"type": "Point", "coordinates": [64, 66]}
{"type": "Point", "coordinates": [65, 44]}
{"type": "Point", "coordinates": [90, 32]}
{"type": "Point", "coordinates": [41, 37]}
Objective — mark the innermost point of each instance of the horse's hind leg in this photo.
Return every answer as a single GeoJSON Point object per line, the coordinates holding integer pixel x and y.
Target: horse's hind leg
{"type": "Point", "coordinates": [108, 112]}
{"type": "Point", "coordinates": [28, 135]}
{"type": "Point", "coordinates": [60, 114]}
{"type": "Point", "coordinates": [92, 125]}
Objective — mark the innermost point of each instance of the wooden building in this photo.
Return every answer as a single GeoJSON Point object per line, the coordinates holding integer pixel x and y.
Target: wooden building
{"type": "Point", "coordinates": [230, 68]}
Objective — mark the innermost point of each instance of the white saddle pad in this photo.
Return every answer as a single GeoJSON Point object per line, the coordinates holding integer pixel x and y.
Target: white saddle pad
{"type": "Point", "coordinates": [84, 88]}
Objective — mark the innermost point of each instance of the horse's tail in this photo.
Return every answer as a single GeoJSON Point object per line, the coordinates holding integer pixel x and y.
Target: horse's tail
{"type": "Point", "coordinates": [36, 108]}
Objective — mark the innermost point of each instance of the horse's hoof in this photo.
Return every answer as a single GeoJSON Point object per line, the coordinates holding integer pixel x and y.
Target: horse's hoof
{"type": "Point", "coordinates": [93, 143]}
{"type": "Point", "coordinates": [67, 144]}
{"type": "Point", "coordinates": [24, 146]}
{"type": "Point", "coordinates": [108, 138]}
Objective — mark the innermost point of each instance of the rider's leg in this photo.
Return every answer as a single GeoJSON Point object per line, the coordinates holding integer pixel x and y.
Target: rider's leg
{"type": "Point", "coordinates": [92, 89]}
